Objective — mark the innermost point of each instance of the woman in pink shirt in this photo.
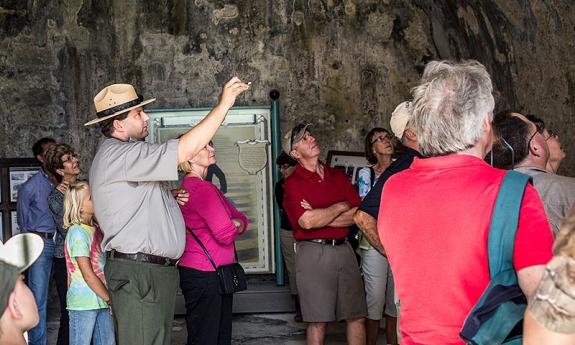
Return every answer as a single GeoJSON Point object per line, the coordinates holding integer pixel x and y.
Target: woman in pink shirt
{"type": "Point", "coordinates": [216, 223]}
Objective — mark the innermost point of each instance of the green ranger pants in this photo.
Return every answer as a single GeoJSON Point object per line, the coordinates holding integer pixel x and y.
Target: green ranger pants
{"type": "Point", "coordinates": [143, 300]}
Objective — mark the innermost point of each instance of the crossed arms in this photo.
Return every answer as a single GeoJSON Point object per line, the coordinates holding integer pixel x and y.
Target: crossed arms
{"type": "Point", "coordinates": [339, 214]}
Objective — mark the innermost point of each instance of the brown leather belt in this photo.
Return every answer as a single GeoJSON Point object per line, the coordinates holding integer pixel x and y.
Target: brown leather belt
{"type": "Point", "coordinates": [42, 234]}
{"type": "Point", "coordinates": [141, 257]}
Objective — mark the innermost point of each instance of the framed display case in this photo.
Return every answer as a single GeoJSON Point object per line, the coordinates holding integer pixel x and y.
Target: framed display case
{"type": "Point", "coordinates": [13, 173]}
{"type": "Point", "coordinates": [243, 172]}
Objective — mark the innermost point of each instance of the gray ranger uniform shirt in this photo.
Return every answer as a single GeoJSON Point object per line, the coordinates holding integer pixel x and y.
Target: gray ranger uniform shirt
{"type": "Point", "coordinates": [135, 212]}
{"type": "Point", "coordinates": [556, 192]}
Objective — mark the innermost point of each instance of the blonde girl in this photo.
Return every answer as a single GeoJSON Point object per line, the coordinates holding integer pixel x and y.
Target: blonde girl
{"type": "Point", "coordinates": [87, 300]}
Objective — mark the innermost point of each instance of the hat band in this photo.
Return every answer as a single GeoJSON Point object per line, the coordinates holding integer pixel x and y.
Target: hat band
{"type": "Point", "coordinates": [120, 107]}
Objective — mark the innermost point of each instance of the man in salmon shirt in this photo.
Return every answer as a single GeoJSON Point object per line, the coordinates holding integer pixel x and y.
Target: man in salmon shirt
{"type": "Point", "coordinates": [434, 217]}
{"type": "Point", "coordinates": [320, 202]}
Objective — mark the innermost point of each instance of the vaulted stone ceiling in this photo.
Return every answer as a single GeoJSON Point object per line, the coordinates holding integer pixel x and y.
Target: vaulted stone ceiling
{"type": "Point", "coordinates": [343, 65]}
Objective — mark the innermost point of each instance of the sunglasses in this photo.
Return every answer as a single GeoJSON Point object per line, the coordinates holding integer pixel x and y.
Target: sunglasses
{"type": "Point", "coordinates": [381, 138]}
{"type": "Point", "coordinates": [70, 157]}
{"type": "Point", "coordinates": [510, 150]}
{"type": "Point", "coordinates": [296, 131]}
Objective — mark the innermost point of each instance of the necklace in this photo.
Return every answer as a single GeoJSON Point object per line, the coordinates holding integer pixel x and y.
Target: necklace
{"type": "Point", "coordinates": [379, 170]}
{"type": "Point", "coordinates": [197, 175]}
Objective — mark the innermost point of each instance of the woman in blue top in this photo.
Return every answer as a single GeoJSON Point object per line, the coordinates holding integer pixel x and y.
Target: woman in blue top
{"type": "Point", "coordinates": [379, 151]}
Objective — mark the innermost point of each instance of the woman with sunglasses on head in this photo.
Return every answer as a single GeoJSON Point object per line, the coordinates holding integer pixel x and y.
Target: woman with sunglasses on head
{"type": "Point", "coordinates": [64, 165]}
{"type": "Point", "coordinates": [379, 151]}
{"type": "Point", "coordinates": [556, 153]}
{"type": "Point", "coordinates": [216, 223]}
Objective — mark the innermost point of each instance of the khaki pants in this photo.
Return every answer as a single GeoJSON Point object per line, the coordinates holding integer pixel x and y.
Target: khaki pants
{"type": "Point", "coordinates": [143, 300]}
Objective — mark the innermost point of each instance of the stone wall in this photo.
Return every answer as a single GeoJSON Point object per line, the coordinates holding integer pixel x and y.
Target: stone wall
{"type": "Point", "coordinates": [342, 64]}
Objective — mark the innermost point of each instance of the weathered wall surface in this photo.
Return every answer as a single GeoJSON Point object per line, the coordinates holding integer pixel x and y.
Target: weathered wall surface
{"type": "Point", "coordinates": [343, 64]}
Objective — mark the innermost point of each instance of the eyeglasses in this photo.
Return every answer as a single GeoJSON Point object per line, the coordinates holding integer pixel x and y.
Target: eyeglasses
{"type": "Point", "coordinates": [70, 157]}
{"type": "Point", "coordinates": [538, 129]}
{"type": "Point", "coordinates": [551, 135]}
{"type": "Point", "coordinates": [381, 138]}
{"type": "Point", "coordinates": [510, 150]}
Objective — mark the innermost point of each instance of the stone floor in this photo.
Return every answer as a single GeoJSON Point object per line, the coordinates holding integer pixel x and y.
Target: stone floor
{"type": "Point", "coordinates": [248, 329]}
{"type": "Point", "coordinates": [253, 329]}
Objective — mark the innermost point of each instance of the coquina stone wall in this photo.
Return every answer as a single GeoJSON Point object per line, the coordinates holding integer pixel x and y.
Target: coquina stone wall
{"type": "Point", "coordinates": [342, 64]}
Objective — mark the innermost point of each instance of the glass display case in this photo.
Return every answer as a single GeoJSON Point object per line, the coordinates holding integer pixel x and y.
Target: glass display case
{"type": "Point", "coordinates": [243, 172]}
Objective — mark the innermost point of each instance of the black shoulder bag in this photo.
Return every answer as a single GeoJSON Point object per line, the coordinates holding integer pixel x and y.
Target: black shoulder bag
{"type": "Point", "coordinates": [232, 277]}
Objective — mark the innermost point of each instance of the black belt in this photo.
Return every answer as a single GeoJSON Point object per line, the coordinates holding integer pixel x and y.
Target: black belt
{"type": "Point", "coordinates": [332, 242]}
{"type": "Point", "coordinates": [42, 234]}
{"type": "Point", "coordinates": [141, 257]}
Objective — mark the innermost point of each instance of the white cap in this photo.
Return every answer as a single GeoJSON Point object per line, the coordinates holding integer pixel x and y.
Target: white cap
{"type": "Point", "coordinates": [21, 250]}
{"type": "Point", "coordinates": [399, 118]}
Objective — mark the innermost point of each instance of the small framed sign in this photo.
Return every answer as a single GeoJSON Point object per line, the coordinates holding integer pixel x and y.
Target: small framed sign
{"type": "Point", "coordinates": [348, 162]}
{"type": "Point", "coordinates": [17, 176]}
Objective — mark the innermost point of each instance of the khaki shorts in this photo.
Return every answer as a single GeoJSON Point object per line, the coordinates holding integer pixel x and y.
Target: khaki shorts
{"type": "Point", "coordinates": [378, 280]}
{"type": "Point", "coordinates": [329, 283]}
{"type": "Point", "coordinates": [287, 241]}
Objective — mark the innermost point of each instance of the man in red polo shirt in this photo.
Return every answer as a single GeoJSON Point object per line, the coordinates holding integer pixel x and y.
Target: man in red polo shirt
{"type": "Point", "coordinates": [320, 202]}
{"type": "Point", "coordinates": [434, 217]}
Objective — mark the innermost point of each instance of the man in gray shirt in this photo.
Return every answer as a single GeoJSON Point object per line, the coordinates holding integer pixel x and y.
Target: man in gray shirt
{"type": "Point", "coordinates": [522, 146]}
{"type": "Point", "coordinates": [144, 232]}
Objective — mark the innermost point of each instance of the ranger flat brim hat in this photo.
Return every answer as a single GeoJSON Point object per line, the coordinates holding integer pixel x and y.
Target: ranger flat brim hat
{"type": "Point", "coordinates": [114, 100]}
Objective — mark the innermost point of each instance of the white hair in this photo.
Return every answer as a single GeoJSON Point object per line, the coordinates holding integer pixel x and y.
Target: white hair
{"type": "Point", "coordinates": [449, 106]}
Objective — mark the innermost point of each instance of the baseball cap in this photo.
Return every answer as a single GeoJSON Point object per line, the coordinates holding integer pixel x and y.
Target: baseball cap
{"type": "Point", "coordinates": [293, 136]}
{"type": "Point", "coordinates": [399, 118]}
{"type": "Point", "coordinates": [16, 255]}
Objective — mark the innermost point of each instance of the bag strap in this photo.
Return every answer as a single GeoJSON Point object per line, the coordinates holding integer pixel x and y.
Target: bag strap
{"type": "Point", "coordinates": [504, 221]}
{"type": "Point", "coordinates": [371, 176]}
{"type": "Point", "coordinates": [206, 251]}
{"type": "Point", "coordinates": [484, 324]}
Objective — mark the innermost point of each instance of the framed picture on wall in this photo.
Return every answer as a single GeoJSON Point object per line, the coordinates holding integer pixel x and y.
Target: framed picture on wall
{"type": "Point", "coordinates": [13, 173]}
{"type": "Point", "coordinates": [17, 177]}
{"type": "Point", "coordinates": [348, 162]}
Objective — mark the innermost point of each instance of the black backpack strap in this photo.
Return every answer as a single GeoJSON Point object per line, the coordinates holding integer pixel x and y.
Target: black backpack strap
{"type": "Point", "coordinates": [371, 176]}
